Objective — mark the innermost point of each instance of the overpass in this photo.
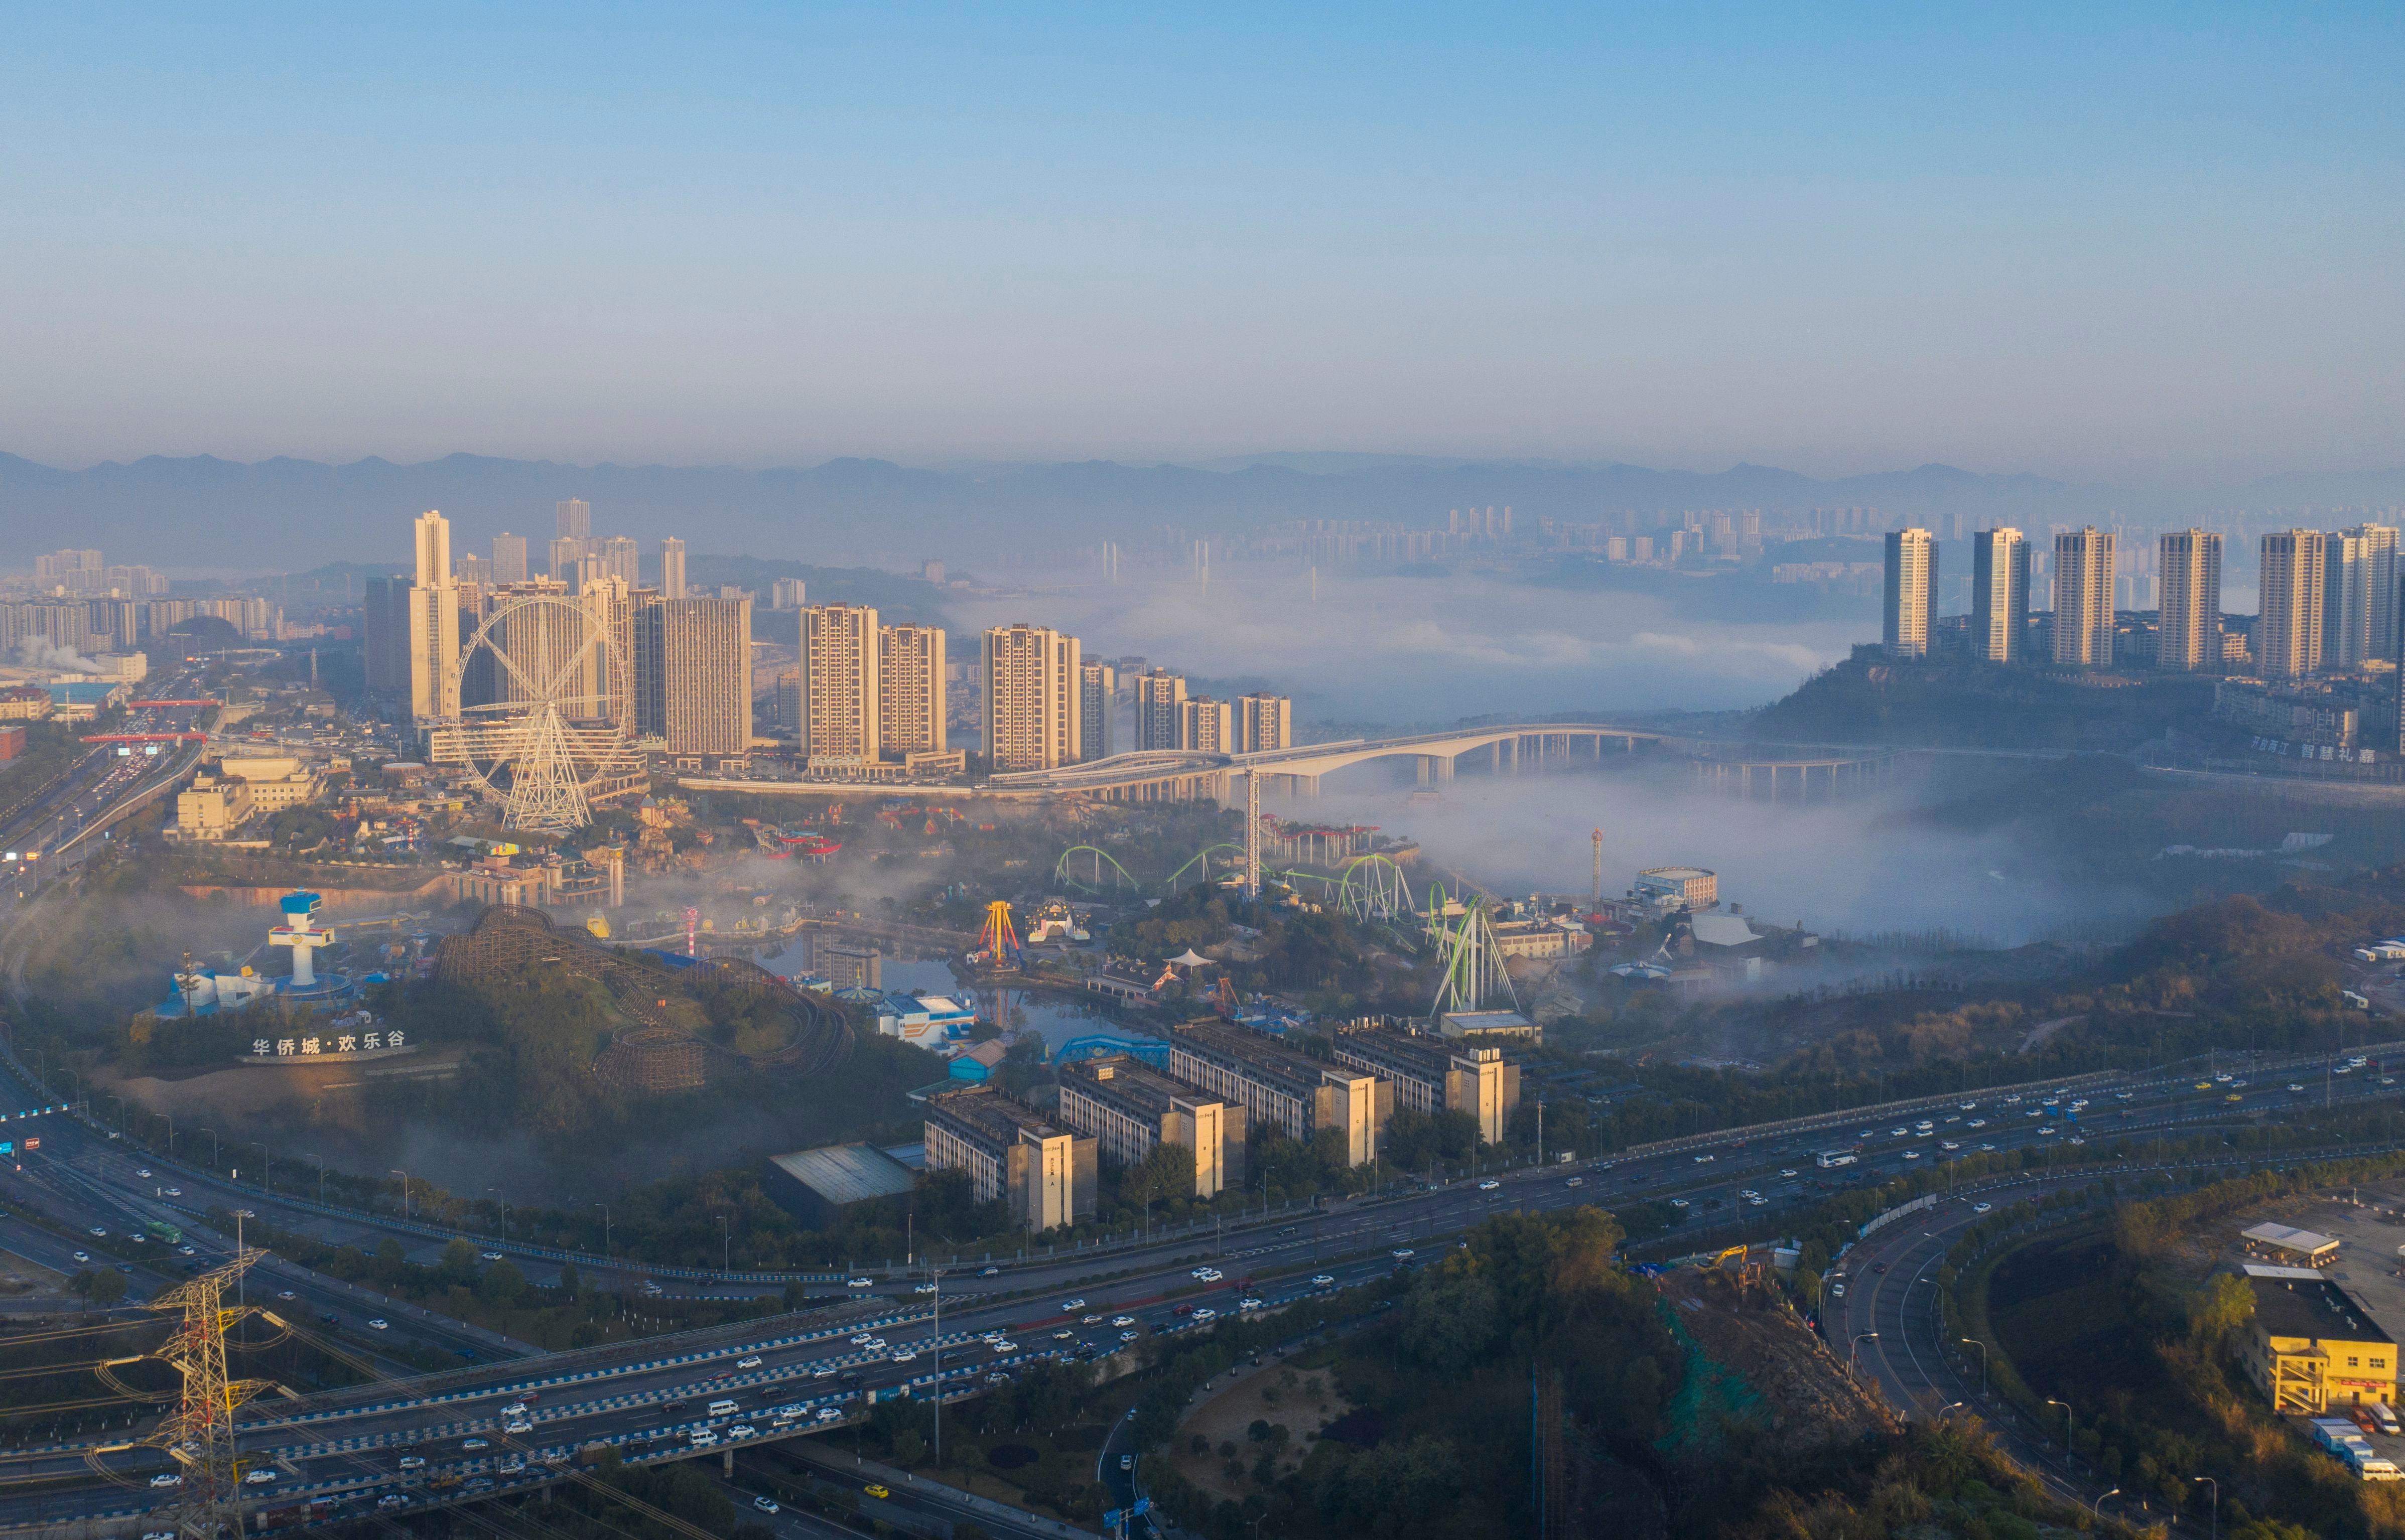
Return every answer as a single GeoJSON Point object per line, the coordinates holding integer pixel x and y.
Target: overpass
{"type": "Point", "coordinates": [1180, 775]}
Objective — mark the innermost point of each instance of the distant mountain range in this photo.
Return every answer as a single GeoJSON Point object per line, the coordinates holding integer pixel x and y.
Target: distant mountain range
{"type": "Point", "coordinates": [288, 514]}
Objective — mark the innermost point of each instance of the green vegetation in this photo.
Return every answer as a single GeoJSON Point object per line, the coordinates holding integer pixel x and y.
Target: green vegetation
{"type": "Point", "coordinates": [2100, 1313]}
{"type": "Point", "coordinates": [1863, 700]}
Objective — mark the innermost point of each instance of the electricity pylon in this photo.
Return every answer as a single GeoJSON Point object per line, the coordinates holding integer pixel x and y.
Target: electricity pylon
{"type": "Point", "coordinates": [199, 1433]}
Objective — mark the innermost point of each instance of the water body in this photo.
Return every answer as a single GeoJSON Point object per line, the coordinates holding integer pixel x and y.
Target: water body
{"type": "Point", "coordinates": [1051, 1015]}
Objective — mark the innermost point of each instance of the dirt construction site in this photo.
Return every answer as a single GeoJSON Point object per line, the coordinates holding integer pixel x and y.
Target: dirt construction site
{"type": "Point", "coordinates": [1751, 1357]}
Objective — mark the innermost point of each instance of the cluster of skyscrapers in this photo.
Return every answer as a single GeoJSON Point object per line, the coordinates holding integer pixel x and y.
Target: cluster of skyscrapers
{"type": "Point", "coordinates": [671, 668]}
{"type": "Point", "coordinates": [2328, 602]}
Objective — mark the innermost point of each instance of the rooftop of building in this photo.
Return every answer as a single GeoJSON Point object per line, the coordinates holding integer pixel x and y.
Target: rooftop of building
{"type": "Point", "coordinates": [1675, 873]}
{"type": "Point", "coordinates": [2313, 1308]}
{"type": "Point", "coordinates": [1300, 1071]}
{"type": "Point", "coordinates": [847, 1173]}
{"type": "Point", "coordinates": [1430, 1050]}
{"type": "Point", "coordinates": [998, 1116]}
{"type": "Point", "coordinates": [2284, 1238]}
{"type": "Point", "coordinates": [1126, 1078]}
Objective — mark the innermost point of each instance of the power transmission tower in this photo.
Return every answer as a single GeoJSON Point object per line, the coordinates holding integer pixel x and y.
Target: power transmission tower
{"type": "Point", "coordinates": [199, 1433]}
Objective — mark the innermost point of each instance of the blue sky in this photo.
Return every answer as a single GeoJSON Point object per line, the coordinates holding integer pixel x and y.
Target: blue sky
{"type": "Point", "coordinates": [2141, 244]}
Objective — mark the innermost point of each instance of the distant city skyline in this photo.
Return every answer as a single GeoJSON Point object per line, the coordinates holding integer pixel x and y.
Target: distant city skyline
{"type": "Point", "coordinates": [2126, 247]}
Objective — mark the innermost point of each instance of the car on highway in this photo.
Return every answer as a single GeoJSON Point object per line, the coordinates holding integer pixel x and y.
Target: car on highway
{"type": "Point", "coordinates": [144, 1173]}
{"type": "Point", "coordinates": [174, 1192]}
{"type": "Point", "coordinates": [1206, 1313]}
{"type": "Point", "coordinates": [740, 1430]}
{"type": "Point", "coordinates": [2292, 1086]}
{"type": "Point", "coordinates": [1403, 1253]}
{"type": "Point", "coordinates": [1976, 1122]}
{"type": "Point", "coordinates": [490, 1256]}
{"type": "Point", "coordinates": [1837, 1291]}
{"type": "Point", "coordinates": [766, 1504]}
{"type": "Point", "coordinates": [392, 1500]}
{"type": "Point", "coordinates": [824, 1371]}
{"type": "Point", "coordinates": [1981, 1208]}
{"type": "Point", "coordinates": [829, 1414]}
{"type": "Point", "coordinates": [1089, 1319]}
{"type": "Point", "coordinates": [924, 1288]}
{"type": "Point", "coordinates": [2233, 1097]}
{"type": "Point", "coordinates": [188, 1251]}
{"type": "Point", "coordinates": [1071, 1307]}
{"type": "Point", "coordinates": [517, 1425]}
{"type": "Point", "coordinates": [874, 1490]}
{"type": "Point", "coordinates": [1064, 1335]}
{"type": "Point", "coordinates": [861, 1283]}
{"type": "Point", "coordinates": [750, 1361]}
{"type": "Point", "coordinates": [1703, 1158]}
{"type": "Point", "coordinates": [1912, 1155]}
{"type": "Point", "coordinates": [1321, 1280]}
{"type": "Point", "coordinates": [1002, 1345]}
{"type": "Point", "coordinates": [1129, 1321]}
{"type": "Point", "coordinates": [1947, 1144]}
{"type": "Point", "coordinates": [703, 1438]}
{"type": "Point", "coordinates": [1249, 1303]}
{"type": "Point", "coordinates": [98, 1233]}
{"type": "Point", "coordinates": [168, 1480]}
{"type": "Point", "coordinates": [467, 1444]}
{"type": "Point", "coordinates": [258, 1478]}
{"type": "Point", "coordinates": [413, 1462]}
{"type": "Point", "coordinates": [989, 1272]}
{"type": "Point", "coordinates": [1488, 1185]}
{"type": "Point", "coordinates": [1788, 1174]}
{"type": "Point", "coordinates": [1678, 1203]}
{"type": "Point", "coordinates": [83, 1256]}
{"type": "Point", "coordinates": [1758, 1201]}
{"type": "Point", "coordinates": [1575, 1182]}
{"type": "Point", "coordinates": [378, 1323]}
{"type": "Point", "coordinates": [907, 1354]}
{"type": "Point", "coordinates": [861, 1339]}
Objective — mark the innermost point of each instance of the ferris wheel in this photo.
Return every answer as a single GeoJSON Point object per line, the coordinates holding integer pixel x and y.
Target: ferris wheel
{"type": "Point", "coordinates": [544, 722]}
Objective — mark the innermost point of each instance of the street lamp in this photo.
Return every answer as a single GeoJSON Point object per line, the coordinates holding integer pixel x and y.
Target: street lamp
{"type": "Point", "coordinates": [1859, 1338]}
{"type": "Point", "coordinates": [2097, 1507]}
{"type": "Point", "coordinates": [1975, 1342]}
{"type": "Point", "coordinates": [1950, 1405]}
{"type": "Point", "coordinates": [2217, 1502]}
{"type": "Point", "coordinates": [2066, 1424]}
{"type": "Point", "coordinates": [405, 1191]}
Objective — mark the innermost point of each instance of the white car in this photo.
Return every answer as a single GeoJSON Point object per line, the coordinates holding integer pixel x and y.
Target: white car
{"type": "Point", "coordinates": [1678, 1203]}
{"type": "Point", "coordinates": [83, 1256]}
{"type": "Point", "coordinates": [144, 1172]}
{"type": "Point", "coordinates": [258, 1478]}
{"type": "Point", "coordinates": [1210, 1275]}
{"type": "Point", "coordinates": [1758, 1201]}
{"type": "Point", "coordinates": [1488, 1185]}
{"type": "Point", "coordinates": [1912, 1155]}
{"type": "Point", "coordinates": [1837, 1291]}
{"type": "Point", "coordinates": [169, 1480]}
{"type": "Point", "coordinates": [188, 1250]}
{"type": "Point", "coordinates": [751, 1361]}
{"type": "Point", "coordinates": [379, 1325]}
{"type": "Point", "coordinates": [517, 1425]}
{"type": "Point", "coordinates": [829, 1414]}
{"type": "Point", "coordinates": [99, 1234]}
{"type": "Point", "coordinates": [924, 1288]}
{"type": "Point", "coordinates": [174, 1192]}
{"type": "Point", "coordinates": [1947, 1144]}
{"type": "Point", "coordinates": [862, 1340]}
{"type": "Point", "coordinates": [861, 1283]}
{"type": "Point", "coordinates": [1977, 1123]}
{"type": "Point", "coordinates": [467, 1444]}
{"type": "Point", "coordinates": [1788, 1174]}
{"type": "Point", "coordinates": [1130, 1337]}
{"type": "Point", "coordinates": [1064, 1335]}
{"type": "Point", "coordinates": [1703, 1158]}
{"type": "Point", "coordinates": [1002, 1345]}
{"type": "Point", "coordinates": [1981, 1208]}
{"type": "Point", "coordinates": [1403, 1253]}
{"type": "Point", "coordinates": [766, 1504]}
{"type": "Point", "coordinates": [1089, 1319]}
{"type": "Point", "coordinates": [1206, 1313]}
{"type": "Point", "coordinates": [740, 1430]}
{"type": "Point", "coordinates": [1129, 1321]}
{"type": "Point", "coordinates": [704, 1440]}
{"type": "Point", "coordinates": [413, 1462]}
{"type": "Point", "coordinates": [1073, 1307]}
{"type": "Point", "coordinates": [1249, 1304]}
{"type": "Point", "coordinates": [905, 1355]}
{"type": "Point", "coordinates": [824, 1371]}
{"type": "Point", "coordinates": [1319, 1280]}
{"type": "Point", "coordinates": [490, 1256]}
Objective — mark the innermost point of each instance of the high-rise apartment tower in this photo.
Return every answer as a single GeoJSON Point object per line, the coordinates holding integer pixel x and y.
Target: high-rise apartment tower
{"type": "Point", "coordinates": [2000, 583]}
{"type": "Point", "coordinates": [672, 569]}
{"type": "Point", "coordinates": [1032, 674]}
{"type": "Point", "coordinates": [2189, 637]}
{"type": "Point", "coordinates": [1911, 603]}
{"type": "Point", "coordinates": [1160, 706]}
{"type": "Point", "coordinates": [840, 699]}
{"type": "Point", "coordinates": [433, 625]}
{"type": "Point", "coordinates": [2083, 598]}
{"type": "Point", "coordinates": [2289, 613]}
{"type": "Point", "coordinates": [910, 690]}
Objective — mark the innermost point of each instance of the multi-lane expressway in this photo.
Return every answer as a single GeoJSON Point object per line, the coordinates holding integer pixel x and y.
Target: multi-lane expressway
{"type": "Point", "coordinates": [653, 1399]}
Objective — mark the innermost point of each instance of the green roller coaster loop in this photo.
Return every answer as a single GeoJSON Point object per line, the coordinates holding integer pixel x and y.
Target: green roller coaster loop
{"type": "Point", "coordinates": [1063, 874]}
{"type": "Point", "coordinates": [1374, 887]}
{"type": "Point", "coordinates": [1203, 858]}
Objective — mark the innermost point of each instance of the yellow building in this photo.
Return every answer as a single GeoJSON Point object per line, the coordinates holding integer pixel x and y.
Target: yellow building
{"type": "Point", "coordinates": [2313, 1346]}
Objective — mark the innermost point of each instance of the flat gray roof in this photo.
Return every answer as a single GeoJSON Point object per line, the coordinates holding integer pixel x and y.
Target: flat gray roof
{"type": "Point", "coordinates": [847, 1173]}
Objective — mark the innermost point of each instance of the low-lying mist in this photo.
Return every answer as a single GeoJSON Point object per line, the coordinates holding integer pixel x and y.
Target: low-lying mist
{"type": "Point", "coordinates": [1860, 867]}
{"type": "Point", "coordinates": [1423, 650]}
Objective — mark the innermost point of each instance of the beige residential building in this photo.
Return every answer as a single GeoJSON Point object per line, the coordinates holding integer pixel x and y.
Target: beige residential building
{"type": "Point", "coordinates": [1049, 1176]}
{"type": "Point", "coordinates": [2190, 638]}
{"type": "Point", "coordinates": [841, 694]}
{"type": "Point", "coordinates": [910, 690]}
{"type": "Point", "coordinates": [1292, 1093]}
{"type": "Point", "coordinates": [672, 568]}
{"type": "Point", "coordinates": [433, 625]}
{"type": "Point", "coordinates": [623, 559]}
{"type": "Point", "coordinates": [1911, 602]}
{"type": "Point", "coordinates": [510, 558]}
{"type": "Point", "coordinates": [574, 517]}
{"type": "Point", "coordinates": [2289, 616]}
{"type": "Point", "coordinates": [2000, 586]}
{"type": "Point", "coordinates": [1263, 723]}
{"type": "Point", "coordinates": [1206, 725]}
{"type": "Point", "coordinates": [2083, 598]}
{"type": "Point", "coordinates": [1437, 1074]}
{"type": "Point", "coordinates": [695, 656]}
{"type": "Point", "coordinates": [1097, 686]}
{"type": "Point", "coordinates": [1030, 675]}
{"type": "Point", "coordinates": [2358, 596]}
{"type": "Point", "coordinates": [1160, 709]}
{"type": "Point", "coordinates": [1131, 1110]}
